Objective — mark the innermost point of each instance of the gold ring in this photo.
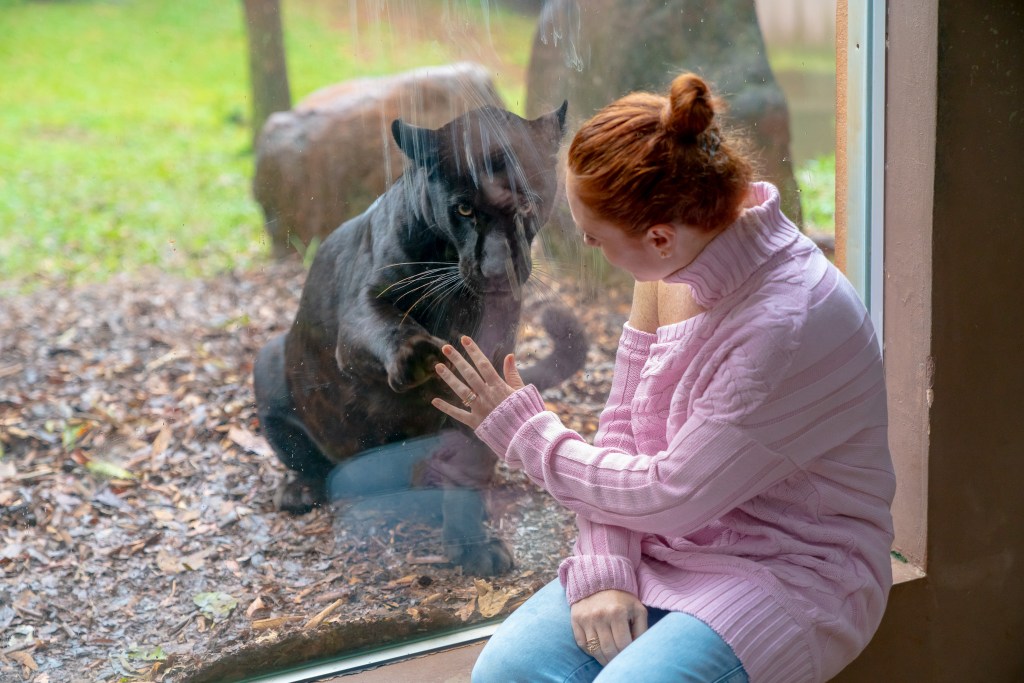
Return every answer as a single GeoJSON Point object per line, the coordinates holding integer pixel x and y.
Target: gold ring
{"type": "Point", "coordinates": [472, 397]}
{"type": "Point", "coordinates": [593, 645]}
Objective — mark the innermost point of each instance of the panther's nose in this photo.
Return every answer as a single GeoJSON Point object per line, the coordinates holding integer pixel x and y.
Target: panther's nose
{"type": "Point", "coordinates": [502, 278]}
{"type": "Point", "coordinates": [502, 282]}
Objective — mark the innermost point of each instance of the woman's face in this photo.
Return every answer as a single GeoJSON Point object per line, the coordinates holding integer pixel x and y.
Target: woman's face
{"type": "Point", "coordinates": [651, 255]}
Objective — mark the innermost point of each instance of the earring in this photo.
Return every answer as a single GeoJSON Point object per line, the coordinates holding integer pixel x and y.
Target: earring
{"type": "Point", "coordinates": [664, 254]}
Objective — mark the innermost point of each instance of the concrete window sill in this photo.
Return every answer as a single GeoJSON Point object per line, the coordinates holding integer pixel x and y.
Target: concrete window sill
{"type": "Point", "coordinates": [905, 571]}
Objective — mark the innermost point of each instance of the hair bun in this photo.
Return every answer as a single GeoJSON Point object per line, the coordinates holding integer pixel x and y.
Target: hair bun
{"type": "Point", "coordinates": [690, 108]}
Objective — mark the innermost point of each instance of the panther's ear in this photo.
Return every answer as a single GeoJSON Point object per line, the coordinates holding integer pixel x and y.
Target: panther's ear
{"type": "Point", "coordinates": [555, 119]}
{"type": "Point", "coordinates": [560, 115]}
{"type": "Point", "coordinates": [419, 144]}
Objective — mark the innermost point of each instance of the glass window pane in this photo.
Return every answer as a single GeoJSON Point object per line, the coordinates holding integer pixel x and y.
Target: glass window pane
{"type": "Point", "coordinates": [157, 245]}
{"type": "Point", "coordinates": [801, 42]}
{"type": "Point", "coordinates": [865, 144]}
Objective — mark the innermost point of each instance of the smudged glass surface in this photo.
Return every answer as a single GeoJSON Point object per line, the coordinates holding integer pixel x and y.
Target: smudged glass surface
{"type": "Point", "coordinates": [140, 518]}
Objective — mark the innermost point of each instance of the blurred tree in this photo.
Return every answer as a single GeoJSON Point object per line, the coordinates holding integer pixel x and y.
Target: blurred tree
{"type": "Point", "coordinates": [268, 70]}
{"type": "Point", "coordinates": [591, 52]}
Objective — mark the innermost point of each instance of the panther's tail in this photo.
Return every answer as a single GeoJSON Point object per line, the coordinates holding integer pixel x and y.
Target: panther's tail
{"type": "Point", "coordinates": [569, 353]}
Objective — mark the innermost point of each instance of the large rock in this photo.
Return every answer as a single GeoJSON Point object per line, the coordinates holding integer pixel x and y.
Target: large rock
{"type": "Point", "coordinates": [331, 156]}
{"type": "Point", "coordinates": [593, 52]}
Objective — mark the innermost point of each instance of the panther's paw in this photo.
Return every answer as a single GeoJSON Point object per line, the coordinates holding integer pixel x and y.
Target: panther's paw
{"type": "Point", "coordinates": [486, 558]}
{"type": "Point", "coordinates": [413, 363]}
{"type": "Point", "coordinates": [298, 496]}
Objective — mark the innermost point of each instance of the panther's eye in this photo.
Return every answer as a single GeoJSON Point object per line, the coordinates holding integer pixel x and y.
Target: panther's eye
{"type": "Point", "coordinates": [465, 210]}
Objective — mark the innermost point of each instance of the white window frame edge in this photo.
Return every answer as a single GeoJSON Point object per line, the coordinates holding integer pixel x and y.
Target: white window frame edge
{"type": "Point", "coordinates": [865, 150]}
{"type": "Point", "coordinates": [865, 201]}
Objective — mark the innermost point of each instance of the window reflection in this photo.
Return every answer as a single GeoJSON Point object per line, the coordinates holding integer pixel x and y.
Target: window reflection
{"type": "Point", "coordinates": [140, 532]}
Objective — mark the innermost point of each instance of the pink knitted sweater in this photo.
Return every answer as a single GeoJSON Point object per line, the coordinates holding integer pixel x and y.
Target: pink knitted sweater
{"type": "Point", "coordinates": [741, 471]}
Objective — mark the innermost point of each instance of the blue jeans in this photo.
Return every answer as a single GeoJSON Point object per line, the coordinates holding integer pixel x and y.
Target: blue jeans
{"type": "Point", "coordinates": [535, 645]}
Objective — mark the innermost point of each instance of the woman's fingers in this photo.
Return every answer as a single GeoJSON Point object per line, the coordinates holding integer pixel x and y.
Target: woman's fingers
{"type": "Point", "coordinates": [512, 376]}
{"type": "Point", "coordinates": [594, 646]}
{"type": "Point", "coordinates": [447, 408]}
{"type": "Point", "coordinates": [482, 362]}
{"type": "Point", "coordinates": [609, 648]}
{"type": "Point", "coordinates": [466, 417]}
{"type": "Point", "coordinates": [598, 639]}
{"type": "Point", "coordinates": [481, 376]}
{"type": "Point", "coordinates": [620, 635]}
{"type": "Point", "coordinates": [479, 388]}
{"type": "Point", "coordinates": [638, 625]}
{"type": "Point", "coordinates": [457, 385]}
{"type": "Point", "coordinates": [608, 621]}
{"type": "Point", "coordinates": [579, 634]}
{"type": "Point", "coordinates": [469, 374]}
{"type": "Point", "coordinates": [465, 394]}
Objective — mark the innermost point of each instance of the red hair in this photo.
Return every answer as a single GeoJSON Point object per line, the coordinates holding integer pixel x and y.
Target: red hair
{"type": "Point", "coordinates": [647, 159]}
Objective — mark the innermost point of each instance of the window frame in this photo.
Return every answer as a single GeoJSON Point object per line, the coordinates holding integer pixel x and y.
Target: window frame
{"type": "Point", "coordinates": [861, 212]}
{"type": "Point", "coordinates": [864, 147]}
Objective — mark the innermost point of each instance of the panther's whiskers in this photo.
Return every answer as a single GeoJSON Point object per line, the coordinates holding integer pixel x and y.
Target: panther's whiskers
{"type": "Point", "coordinates": [430, 292]}
{"type": "Point", "coordinates": [429, 275]}
{"type": "Point", "coordinates": [445, 296]}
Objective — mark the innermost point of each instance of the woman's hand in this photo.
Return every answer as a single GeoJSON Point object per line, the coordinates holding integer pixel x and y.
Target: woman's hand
{"type": "Point", "coordinates": [479, 387]}
{"type": "Point", "coordinates": [606, 622]}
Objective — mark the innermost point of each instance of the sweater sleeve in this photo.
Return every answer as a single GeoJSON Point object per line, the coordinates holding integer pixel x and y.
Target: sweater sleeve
{"type": "Point", "coordinates": [604, 557]}
{"type": "Point", "coordinates": [614, 427]}
{"type": "Point", "coordinates": [713, 462]}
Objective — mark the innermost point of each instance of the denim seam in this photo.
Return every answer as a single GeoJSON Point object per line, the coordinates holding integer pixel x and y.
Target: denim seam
{"type": "Point", "coordinates": [572, 675]}
{"type": "Point", "coordinates": [727, 677]}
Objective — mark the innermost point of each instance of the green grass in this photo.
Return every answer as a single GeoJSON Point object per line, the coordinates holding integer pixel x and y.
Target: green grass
{"type": "Point", "coordinates": [124, 139]}
{"type": "Point", "coordinates": [804, 58]}
{"type": "Point", "coordinates": [816, 179]}
{"type": "Point", "coordinates": [124, 133]}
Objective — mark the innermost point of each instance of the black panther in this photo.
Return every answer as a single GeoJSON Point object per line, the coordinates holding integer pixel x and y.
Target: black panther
{"type": "Point", "coordinates": [445, 251]}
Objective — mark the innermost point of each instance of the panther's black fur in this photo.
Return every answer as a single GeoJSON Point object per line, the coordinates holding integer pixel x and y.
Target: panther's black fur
{"type": "Point", "coordinates": [444, 252]}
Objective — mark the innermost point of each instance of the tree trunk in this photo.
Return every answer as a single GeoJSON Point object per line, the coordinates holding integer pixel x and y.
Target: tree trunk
{"type": "Point", "coordinates": [592, 52]}
{"type": "Point", "coordinates": [268, 71]}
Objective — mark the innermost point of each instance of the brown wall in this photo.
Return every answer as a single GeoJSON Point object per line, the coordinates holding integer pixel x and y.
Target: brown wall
{"type": "Point", "coordinates": [955, 341]}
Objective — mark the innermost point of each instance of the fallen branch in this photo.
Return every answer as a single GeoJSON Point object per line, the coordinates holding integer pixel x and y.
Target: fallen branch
{"type": "Point", "coordinates": [323, 614]}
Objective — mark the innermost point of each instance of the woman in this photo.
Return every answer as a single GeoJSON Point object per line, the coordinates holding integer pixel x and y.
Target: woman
{"type": "Point", "coordinates": [733, 511]}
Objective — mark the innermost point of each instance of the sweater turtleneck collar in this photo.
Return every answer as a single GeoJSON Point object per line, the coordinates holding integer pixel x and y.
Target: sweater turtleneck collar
{"type": "Point", "coordinates": [733, 256]}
